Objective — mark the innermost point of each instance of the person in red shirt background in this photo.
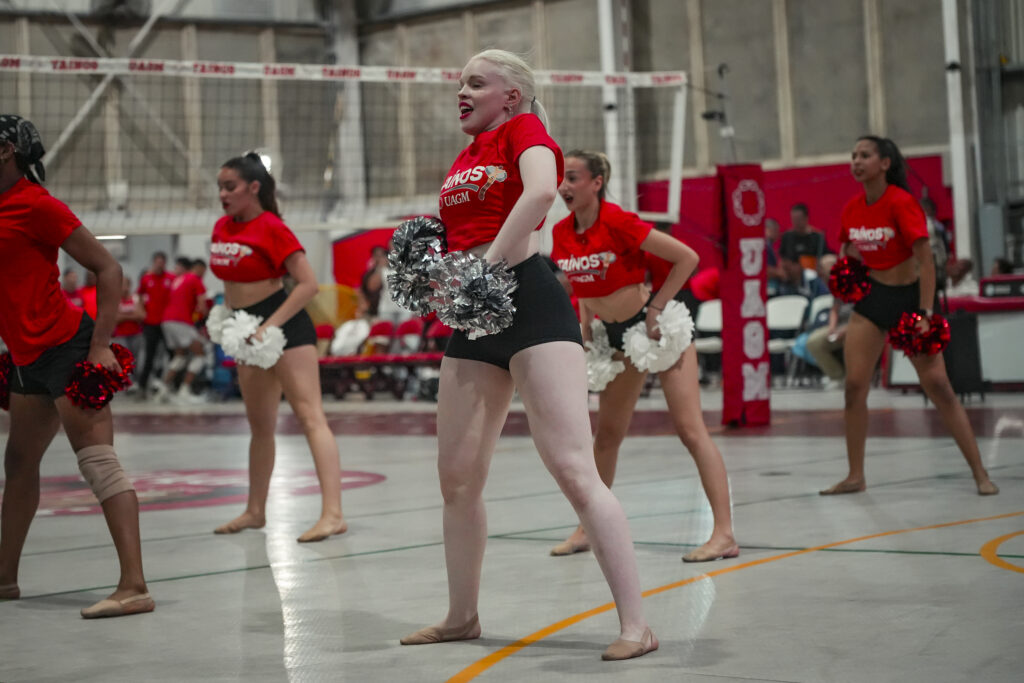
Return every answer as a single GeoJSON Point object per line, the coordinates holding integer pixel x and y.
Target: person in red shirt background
{"type": "Point", "coordinates": [605, 253]}
{"type": "Point", "coordinates": [153, 291]}
{"type": "Point", "coordinates": [70, 288]}
{"type": "Point", "coordinates": [887, 228]}
{"type": "Point", "coordinates": [496, 195]}
{"type": "Point", "coordinates": [128, 332]}
{"type": "Point", "coordinates": [47, 336]}
{"type": "Point", "coordinates": [188, 350]}
{"type": "Point", "coordinates": [252, 250]}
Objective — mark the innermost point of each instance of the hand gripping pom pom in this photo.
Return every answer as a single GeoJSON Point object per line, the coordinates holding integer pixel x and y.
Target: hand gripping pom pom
{"type": "Point", "coordinates": [602, 368]}
{"type": "Point", "coordinates": [472, 294]}
{"type": "Point", "coordinates": [416, 245]}
{"type": "Point", "coordinates": [848, 281]}
{"type": "Point", "coordinates": [265, 352]}
{"type": "Point", "coordinates": [93, 386]}
{"type": "Point", "coordinates": [236, 330]}
{"type": "Point", "coordinates": [648, 355]}
{"type": "Point", "coordinates": [6, 368]}
{"type": "Point", "coordinates": [215, 322]}
{"type": "Point", "coordinates": [905, 337]}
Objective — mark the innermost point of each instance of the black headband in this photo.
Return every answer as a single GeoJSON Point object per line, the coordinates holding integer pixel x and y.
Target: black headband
{"type": "Point", "coordinates": [28, 146]}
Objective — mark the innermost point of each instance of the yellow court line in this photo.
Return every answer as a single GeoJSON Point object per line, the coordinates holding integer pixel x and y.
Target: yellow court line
{"type": "Point", "coordinates": [991, 549]}
{"type": "Point", "coordinates": [478, 667]}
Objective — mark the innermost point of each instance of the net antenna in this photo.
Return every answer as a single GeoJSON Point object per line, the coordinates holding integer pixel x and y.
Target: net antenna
{"type": "Point", "coordinates": [137, 143]}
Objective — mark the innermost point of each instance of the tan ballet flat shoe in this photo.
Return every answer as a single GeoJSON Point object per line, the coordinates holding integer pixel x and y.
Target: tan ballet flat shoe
{"type": "Point", "coordinates": [844, 487]}
{"type": "Point", "coordinates": [432, 634]}
{"type": "Point", "coordinates": [703, 555]}
{"type": "Point", "coordinates": [987, 489]}
{"type": "Point", "coordinates": [569, 548]}
{"type": "Point", "coordinates": [137, 604]}
{"type": "Point", "coordinates": [628, 649]}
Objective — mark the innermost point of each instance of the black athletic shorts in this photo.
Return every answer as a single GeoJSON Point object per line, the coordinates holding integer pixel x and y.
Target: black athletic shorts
{"type": "Point", "coordinates": [543, 314]}
{"type": "Point", "coordinates": [884, 304]}
{"type": "Point", "coordinates": [298, 331]}
{"type": "Point", "coordinates": [49, 374]}
{"type": "Point", "coordinates": [616, 331]}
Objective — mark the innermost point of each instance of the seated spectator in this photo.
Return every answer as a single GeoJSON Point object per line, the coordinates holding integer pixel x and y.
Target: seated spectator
{"type": "Point", "coordinates": [800, 250]}
{"type": "Point", "coordinates": [372, 284]}
{"type": "Point", "coordinates": [773, 266]}
{"type": "Point", "coordinates": [961, 278]}
{"type": "Point", "coordinates": [1001, 266]}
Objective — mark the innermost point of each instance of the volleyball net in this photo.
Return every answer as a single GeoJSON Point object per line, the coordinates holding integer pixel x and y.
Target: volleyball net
{"type": "Point", "coordinates": [134, 145]}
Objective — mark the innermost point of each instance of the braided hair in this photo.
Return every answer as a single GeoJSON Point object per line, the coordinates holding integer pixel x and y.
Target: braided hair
{"type": "Point", "coordinates": [28, 146]}
{"type": "Point", "coordinates": [251, 169]}
{"type": "Point", "coordinates": [887, 149]}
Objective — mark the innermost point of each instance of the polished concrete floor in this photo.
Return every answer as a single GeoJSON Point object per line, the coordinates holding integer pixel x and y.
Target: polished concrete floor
{"type": "Point", "coordinates": [918, 579]}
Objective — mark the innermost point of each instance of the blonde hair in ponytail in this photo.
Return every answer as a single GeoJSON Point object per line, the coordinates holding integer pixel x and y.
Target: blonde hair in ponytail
{"type": "Point", "coordinates": [597, 165]}
{"type": "Point", "coordinates": [519, 75]}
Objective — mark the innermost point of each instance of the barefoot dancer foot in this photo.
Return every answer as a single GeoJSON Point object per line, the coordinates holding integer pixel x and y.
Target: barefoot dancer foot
{"type": "Point", "coordinates": [323, 529]}
{"type": "Point", "coordinates": [247, 520]}
{"type": "Point", "coordinates": [986, 487]}
{"type": "Point", "coordinates": [576, 543]}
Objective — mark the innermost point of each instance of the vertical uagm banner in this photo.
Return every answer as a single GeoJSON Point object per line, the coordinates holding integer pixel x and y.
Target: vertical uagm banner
{"type": "Point", "coordinates": [745, 363]}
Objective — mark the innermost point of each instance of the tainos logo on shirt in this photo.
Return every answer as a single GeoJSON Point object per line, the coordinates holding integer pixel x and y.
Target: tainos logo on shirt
{"type": "Point", "coordinates": [458, 186]}
{"type": "Point", "coordinates": [228, 253]}
{"type": "Point", "coordinates": [872, 239]}
{"type": "Point", "coordinates": [588, 267]}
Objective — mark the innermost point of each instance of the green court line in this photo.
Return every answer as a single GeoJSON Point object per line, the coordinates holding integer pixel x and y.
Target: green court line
{"type": "Point", "coordinates": [516, 537]}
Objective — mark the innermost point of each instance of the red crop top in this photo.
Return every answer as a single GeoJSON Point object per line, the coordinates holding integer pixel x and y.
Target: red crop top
{"type": "Point", "coordinates": [253, 250]}
{"type": "Point", "coordinates": [484, 182]}
{"type": "Point", "coordinates": [884, 232]}
{"type": "Point", "coordinates": [34, 313]}
{"type": "Point", "coordinates": [606, 256]}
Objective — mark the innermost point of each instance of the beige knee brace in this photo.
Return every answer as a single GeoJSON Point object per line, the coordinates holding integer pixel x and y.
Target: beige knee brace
{"type": "Point", "coordinates": [102, 471]}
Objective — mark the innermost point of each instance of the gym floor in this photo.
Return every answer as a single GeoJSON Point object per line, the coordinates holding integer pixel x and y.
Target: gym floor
{"type": "Point", "coordinates": [917, 579]}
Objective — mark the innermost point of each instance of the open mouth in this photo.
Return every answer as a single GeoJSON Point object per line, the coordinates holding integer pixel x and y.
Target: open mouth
{"type": "Point", "coordinates": [465, 110]}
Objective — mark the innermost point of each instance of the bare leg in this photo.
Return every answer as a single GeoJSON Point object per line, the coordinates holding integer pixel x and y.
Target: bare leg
{"type": "Point", "coordinates": [34, 422]}
{"type": "Point", "coordinates": [93, 428]}
{"type": "Point", "coordinates": [261, 392]}
{"type": "Point", "coordinates": [552, 383]}
{"type": "Point", "coordinates": [472, 405]}
{"type": "Point", "coordinates": [298, 371]}
{"type": "Point", "coordinates": [932, 372]}
{"type": "Point", "coordinates": [864, 346]}
{"type": "Point", "coordinates": [616, 405]}
{"type": "Point", "coordinates": [682, 393]}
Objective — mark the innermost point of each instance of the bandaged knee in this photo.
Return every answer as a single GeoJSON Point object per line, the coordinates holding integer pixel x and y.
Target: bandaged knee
{"type": "Point", "coordinates": [177, 363]}
{"type": "Point", "coordinates": [196, 364]}
{"type": "Point", "coordinates": [102, 471]}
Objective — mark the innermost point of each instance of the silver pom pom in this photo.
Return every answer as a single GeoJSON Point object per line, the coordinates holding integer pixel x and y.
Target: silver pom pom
{"type": "Point", "coordinates": [602, 367]}
{"type": "Point", "coordinates": [415, 246]}
{"type": "Point", "coordinates": [648, 355]}
{"type": "Point", "coordinates": [472, 294]}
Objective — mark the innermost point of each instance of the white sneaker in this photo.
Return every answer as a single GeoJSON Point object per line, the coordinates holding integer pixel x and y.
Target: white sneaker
{"type": "Point", "coordinates": [185, 397]}
{"type": "Point", "coordinates": [832, 384]}
{"type": "Point", "coordinates": [158, 391]}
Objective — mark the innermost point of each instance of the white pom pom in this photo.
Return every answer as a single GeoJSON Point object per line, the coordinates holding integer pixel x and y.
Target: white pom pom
{"type": "Point", "coordinates": [602, 368]}
{"type": "Point", "coordinates": [235, 330]}
{"type": "Point", "coordinates": [676, 327]}
{"type": "Point", "coordinates": [264, 352]}
{"type": "Point", "coordinates": [215, 322]}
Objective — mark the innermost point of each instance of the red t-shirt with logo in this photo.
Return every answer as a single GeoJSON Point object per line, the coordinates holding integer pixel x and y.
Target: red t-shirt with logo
{"type": "Point", "coordinates": [252, 250]}
{"type": "Point", "coordinates": [154, 289]}
{"type": "Point", "coordinates": [606, 256]}
{"type": "Point", "coordinates": [185, 292]}
{"type": "Point", "coordinates": [884, 232]}
{"type": "Point", "coordinates": [127, 328]}
{"type": "Point", "coordinates": [484, 182]}
{"type": "Point", "coordinates": [34, 313]}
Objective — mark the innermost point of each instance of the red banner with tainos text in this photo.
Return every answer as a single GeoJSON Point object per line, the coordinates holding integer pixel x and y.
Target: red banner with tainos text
{"type": "Point", "coordinates": [746, 375]}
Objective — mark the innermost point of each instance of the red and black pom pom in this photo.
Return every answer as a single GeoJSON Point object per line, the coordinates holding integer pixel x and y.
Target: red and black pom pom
{"type": "Point", "coordinates": [93, 386]}
{"type": "Point", "coordinates": [905, 337]}
{"type": "Point", "coordinates": [848, 281]}
{"type": "Point", "coordinates": [6, 368]}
